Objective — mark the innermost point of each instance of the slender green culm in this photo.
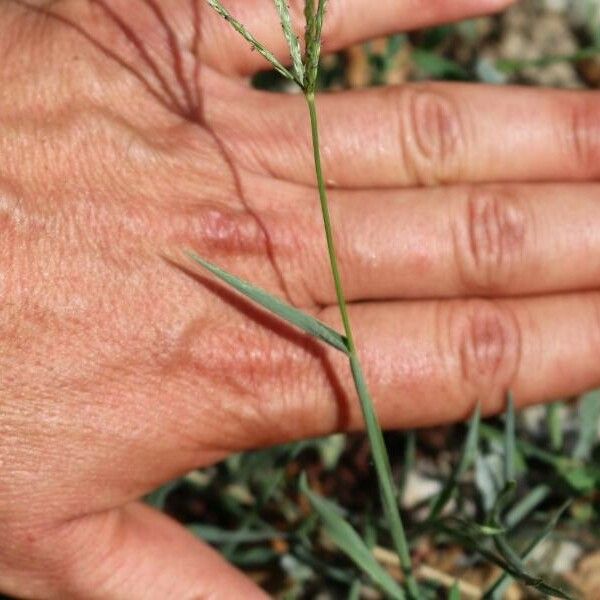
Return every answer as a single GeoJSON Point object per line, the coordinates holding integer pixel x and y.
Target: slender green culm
{"type": "Point", "coordinates": [254, 43]}
{"type": "Point", "coordinates": [380, 455]}
{"type": "Point", "coordinates": [292, 39]}
{"type": "Point", "coordinates": [315, 16]}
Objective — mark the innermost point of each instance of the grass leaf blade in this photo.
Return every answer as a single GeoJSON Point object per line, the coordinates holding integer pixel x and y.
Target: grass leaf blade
{"type": "Point", "coordinates": [348, 541]}
{"type": "Point", "coordinates": [497, 589]}
{"type": "Point", "coordinates": [466, 460]}
{"type": "Point", "coordinates": [454, 592]}
{"type": "Point", "coordinates": [589, 415]}
{"type": "Point", "coordinates": [526, 505]}
{"type": "Point", "coordinates": [286, 312]}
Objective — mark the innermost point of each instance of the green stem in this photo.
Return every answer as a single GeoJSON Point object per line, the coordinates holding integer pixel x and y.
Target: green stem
{"type": "Point", "coordinates": [335, 271]}
{"type": "Point", "coordinates": [380, 456]}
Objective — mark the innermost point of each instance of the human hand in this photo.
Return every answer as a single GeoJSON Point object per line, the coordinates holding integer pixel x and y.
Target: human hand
{"type": "Point", "coordinates": [127, 130]}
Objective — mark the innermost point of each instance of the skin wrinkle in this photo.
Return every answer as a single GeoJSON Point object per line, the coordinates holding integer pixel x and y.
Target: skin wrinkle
{"type": "Point", "coordinates": [198, 115]}
{"type": "Point", "coordinates": [583, 143]}
{"type": "Point", "coordinates": [178, 67]}
{"type": "Point", "coordinates": [267, 368]}
{"type": "Point", "coordinates": [433, 135]}
{"type": "Point", "coordinates": [490, 239]}
{"type": "Point", "coordinates": [106, 50]}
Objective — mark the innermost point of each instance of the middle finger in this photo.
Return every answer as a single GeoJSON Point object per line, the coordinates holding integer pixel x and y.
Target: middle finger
{"type": "Point", "coordinates": [486, 240]}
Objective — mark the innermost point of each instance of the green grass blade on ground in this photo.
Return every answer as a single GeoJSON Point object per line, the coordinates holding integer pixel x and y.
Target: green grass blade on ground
{"type": "Point", "coordinates": [554, 424]}
{"type": "Point", "coordinates": [510, 441]}
{"type": "Point", "coordinates": [497, 589]}
{"type": "Point", "coordinates": [408, 463]}
{"type": "Point", "coordinates": [348, 541]}
{"type": "Point", "coordinates": [284, 311]}
{"type": "Point", "coordinates": [454, 593]}
{"type": "Point", "coordinates": [475, 544]}
{"type": "Point", "coordinates": [467, 457]}
{"type": "Point", "coordinates": [589, 416]}
{"type": "Point", "coordinates": [217, 535]}
{"type": "Point", "coordinates": [509, 474]}
{"type": "Point", "coordinates": [526, 505]}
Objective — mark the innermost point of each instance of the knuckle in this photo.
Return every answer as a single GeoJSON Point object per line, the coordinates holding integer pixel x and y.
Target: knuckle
{"type": "Point", "coordinates": [490, 238]}
{"type": "Point", "coordinates": [485, 346]}
{"type": "Point", "coordinates": [238, 232]}
{"type": "Point", "coordinates": [219, 230]}
{"type": "Point", "coordinates": [584, 134]}
{"type": "Point", "coordinates": [432, 134]}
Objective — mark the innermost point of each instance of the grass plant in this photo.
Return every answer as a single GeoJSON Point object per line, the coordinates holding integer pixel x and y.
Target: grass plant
{"type": "Point", "coordinates": [492, 535]}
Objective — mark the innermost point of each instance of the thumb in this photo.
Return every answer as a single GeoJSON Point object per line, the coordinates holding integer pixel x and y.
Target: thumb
{"type": "Point", "coordinates": [127, 553]}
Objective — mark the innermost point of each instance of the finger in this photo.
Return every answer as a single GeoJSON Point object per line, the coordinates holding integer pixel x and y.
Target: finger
{"type": "Point", "coordinates": [129, 553]}
{"type": "Point", "coordinates": [429, 363]}
{"type": "Point", "coordinates": [347, 22]}
{"type": "Point", "coordinates": [427, 134]}
{"type": "Point", "coordinates": [486, 240]}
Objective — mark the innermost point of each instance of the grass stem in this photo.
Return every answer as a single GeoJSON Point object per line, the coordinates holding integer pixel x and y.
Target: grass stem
{"type": "Point", "coordinates": [380, 456]}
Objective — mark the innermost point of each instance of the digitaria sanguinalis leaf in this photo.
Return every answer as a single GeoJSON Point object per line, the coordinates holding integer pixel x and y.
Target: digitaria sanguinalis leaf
{"type": "Point", "coordinates": [279, 308]}
{"type": "Point", "coordinates": [510, 440]}
{"type": "Point", "coordinates": [348, 541]}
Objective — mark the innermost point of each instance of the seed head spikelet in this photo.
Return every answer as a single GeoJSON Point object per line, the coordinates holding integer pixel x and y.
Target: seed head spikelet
{"type": "Point", "coordinates": [292, 39]}
{"type": "Point", "coordinates": [254, 43]}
